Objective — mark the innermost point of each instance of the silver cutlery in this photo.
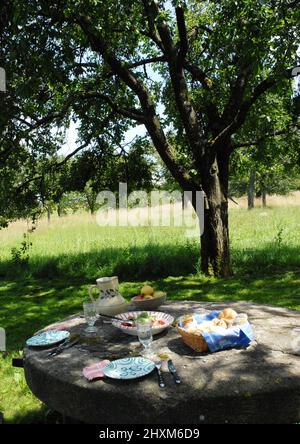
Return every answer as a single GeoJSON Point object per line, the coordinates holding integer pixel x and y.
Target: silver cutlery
{"type": "Point", "coordinates": [58, 347]}
{"type": "Point", "coordinates": [113, 318]}
{"type": "Point", "coordinates": [63, 346]}
{"type": "Point", "coordinates": [173, 371]}
{"type": "Point", "coordinates": [161, 381]}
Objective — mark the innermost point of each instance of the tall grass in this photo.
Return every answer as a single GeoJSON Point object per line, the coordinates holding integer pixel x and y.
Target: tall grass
{"type": "Point", "coordinates": [69, 253]}
{"type": "Point", "coordinates": [75, 246]}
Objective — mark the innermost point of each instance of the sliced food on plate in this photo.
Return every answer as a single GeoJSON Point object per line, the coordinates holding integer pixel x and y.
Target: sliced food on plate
{"type": "Point", "coordinates": [128, 324]}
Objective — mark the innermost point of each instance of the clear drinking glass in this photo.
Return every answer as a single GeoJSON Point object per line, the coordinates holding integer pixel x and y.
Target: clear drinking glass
{"type": "Point", "coordinates": [90, 314]}
{"type": "Point", "coordinates": [144, 331]}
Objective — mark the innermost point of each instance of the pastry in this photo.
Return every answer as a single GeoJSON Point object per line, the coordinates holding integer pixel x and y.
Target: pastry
{"type": "Point", "coordinates": [219, 322]}
{"type": "Point", "coordinates": [187, 320]}
{"type": "Point", "coordinates": [228, 315]}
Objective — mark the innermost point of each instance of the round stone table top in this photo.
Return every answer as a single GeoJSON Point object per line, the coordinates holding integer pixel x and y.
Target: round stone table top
{"type": "Point", "coordinates": [260, 384]}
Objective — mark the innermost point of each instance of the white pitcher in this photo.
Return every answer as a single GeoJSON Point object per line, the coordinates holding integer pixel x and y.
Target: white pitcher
{"type": "Point", "coordinates": [110, 301]}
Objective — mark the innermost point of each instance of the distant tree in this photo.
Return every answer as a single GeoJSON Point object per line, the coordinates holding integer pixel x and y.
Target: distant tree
{"type": "Point", "coordinates": [92, 172]}
{"type": "Point", "coordinates": [269, 145]}
{"type": "Point", "coordinates": [87, 61]}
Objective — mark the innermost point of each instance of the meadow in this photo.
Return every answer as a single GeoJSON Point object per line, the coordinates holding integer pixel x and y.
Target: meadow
{"type": "Point", "coordinates": [49, 280]}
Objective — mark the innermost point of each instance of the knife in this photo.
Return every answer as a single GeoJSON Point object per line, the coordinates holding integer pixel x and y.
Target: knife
{"type": "Point", "coordinates": [173, 371]}
{"type": "Point", "coordinates": [62, 347]}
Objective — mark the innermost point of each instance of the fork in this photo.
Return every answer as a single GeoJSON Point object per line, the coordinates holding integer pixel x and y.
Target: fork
{"type": "Point", "coordinates": [161, 381]}
{"type": "Point", "coordinates": [67, 344]}
{"type": "Point", "coordinates": [59, 347]}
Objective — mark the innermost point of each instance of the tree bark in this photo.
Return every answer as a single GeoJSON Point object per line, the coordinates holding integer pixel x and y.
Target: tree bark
{"type": "Point", "coordinates": [251, 190]}
{"type": "Point", "coordinates": [264, 197]}
{"type": "Point", "coordinates": [215, 256]}
{"type": "Point", "coordinates": [48, 214]}
{"type": "Point", "coordinates": [91, 201]}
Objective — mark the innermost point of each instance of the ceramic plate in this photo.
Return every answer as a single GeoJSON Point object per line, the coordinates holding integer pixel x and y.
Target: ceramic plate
{"type": "Point", "coordinates": [46, 338]}
{"type": "Point", "coordinates": [129, 368]}
{"type": "Point", "coordinates": [165, 319]}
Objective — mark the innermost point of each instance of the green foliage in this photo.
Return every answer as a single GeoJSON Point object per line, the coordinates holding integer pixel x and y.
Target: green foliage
{"type": "Point", "coordinates": [56, 75]}
{"type": "Point", "coordinates": [274, 154]}
{"type": "Point", "coordinates": [20, 256]}
{"type": "Point", "coordinates": [67, 257]}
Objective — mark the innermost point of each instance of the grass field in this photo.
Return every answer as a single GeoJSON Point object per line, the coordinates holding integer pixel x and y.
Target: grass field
{"type": "Point", "coordinates": [67, 255]}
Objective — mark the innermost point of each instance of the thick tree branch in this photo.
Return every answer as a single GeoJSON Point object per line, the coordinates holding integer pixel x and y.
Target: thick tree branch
{"type": "Point", "coordinates": [240, 117]}
{"type": "Point", "coordinates": [58, 165]}
{"type": "Point", "coordinates": [166, 153]}
{"type": "Point", "coordinates": [198, 74]}
{"type": "Point", "coordinates": [133, 114]}
{"type": "Point", "coordinates": [237, 92]}
{"type": "Point", "coordinates": [99, 45]}
{"type": "Point", "coordinates": [175, 63]}
{"type": "Point", "coordinates": [147, 61]}
{"type": "Point", "coordinates": [194, 32]}
{"type": "Point", "coordinates": [183, 42]}
{"type": "Point", "coordinates": [152, 122]}
{"type": "Point", "coordinates": [210, 107]}
{"type": "Point", "coordinates": [152, 32]}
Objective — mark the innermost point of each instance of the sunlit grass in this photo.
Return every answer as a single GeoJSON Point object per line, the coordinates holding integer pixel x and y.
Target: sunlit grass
{"type": "Point", "coordinates": [71, 252]}
{"type": "Point", "coordinates": [76, 246]}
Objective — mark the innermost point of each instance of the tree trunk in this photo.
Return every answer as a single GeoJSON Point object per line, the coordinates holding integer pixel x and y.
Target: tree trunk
{"type": "Point", "coordinates": [58, 210]}
{"type": "Point", "coordinates": [215, 256]}
{"type": "Point", "coordinates": [251, 190]}
{"type": "Point", "coordinates": [91, 201]}
{"type": "Point", "coordinates": [264, 197]}
{"type": "Point", "coordinates": [48, 214]}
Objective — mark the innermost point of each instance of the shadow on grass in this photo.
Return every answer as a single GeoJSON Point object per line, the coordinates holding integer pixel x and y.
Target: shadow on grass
{"type": "Point", "coordinates": [28, 305]}
{"type": "Point", "coordinates": [34, 416]}
{"type": "Point", "coordinates": [129, 263]}
{"type": "Point", "coordinates": [50, 289]}
{"type": "Point", "coordinates": [153, 261]}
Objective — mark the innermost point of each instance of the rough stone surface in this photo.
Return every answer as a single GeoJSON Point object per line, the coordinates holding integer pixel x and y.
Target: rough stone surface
{"type": "Point", "coordinates": [260, 384]}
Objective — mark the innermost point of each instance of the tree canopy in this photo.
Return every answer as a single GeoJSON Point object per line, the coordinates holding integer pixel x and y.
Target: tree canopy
{"type": "Point", "coordinates": [193, 68]}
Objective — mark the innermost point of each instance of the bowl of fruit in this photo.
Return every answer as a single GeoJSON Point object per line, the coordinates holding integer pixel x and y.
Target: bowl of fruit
{"type": "Point", "coordinates": [149, 299]}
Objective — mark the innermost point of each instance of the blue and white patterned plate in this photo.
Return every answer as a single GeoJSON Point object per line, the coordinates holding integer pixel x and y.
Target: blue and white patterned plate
{"type": "Point", "coordinates": [129, 368]}
{"type": "Point", "coordinates": [47, 338]}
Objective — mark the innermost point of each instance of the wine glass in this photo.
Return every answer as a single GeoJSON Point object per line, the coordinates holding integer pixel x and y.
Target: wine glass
{"type": "Point", "coordinates": [144, 331]}
{"type": "Point", "coordinates": [90, 314]}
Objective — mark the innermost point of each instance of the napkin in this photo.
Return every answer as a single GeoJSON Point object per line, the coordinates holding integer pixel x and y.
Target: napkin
{"type": "Point", "coordinates": [96, 370]}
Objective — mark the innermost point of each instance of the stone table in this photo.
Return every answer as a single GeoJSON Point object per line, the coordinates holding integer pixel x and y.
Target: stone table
{"type": "Point", "coordinates": [260, 384]}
